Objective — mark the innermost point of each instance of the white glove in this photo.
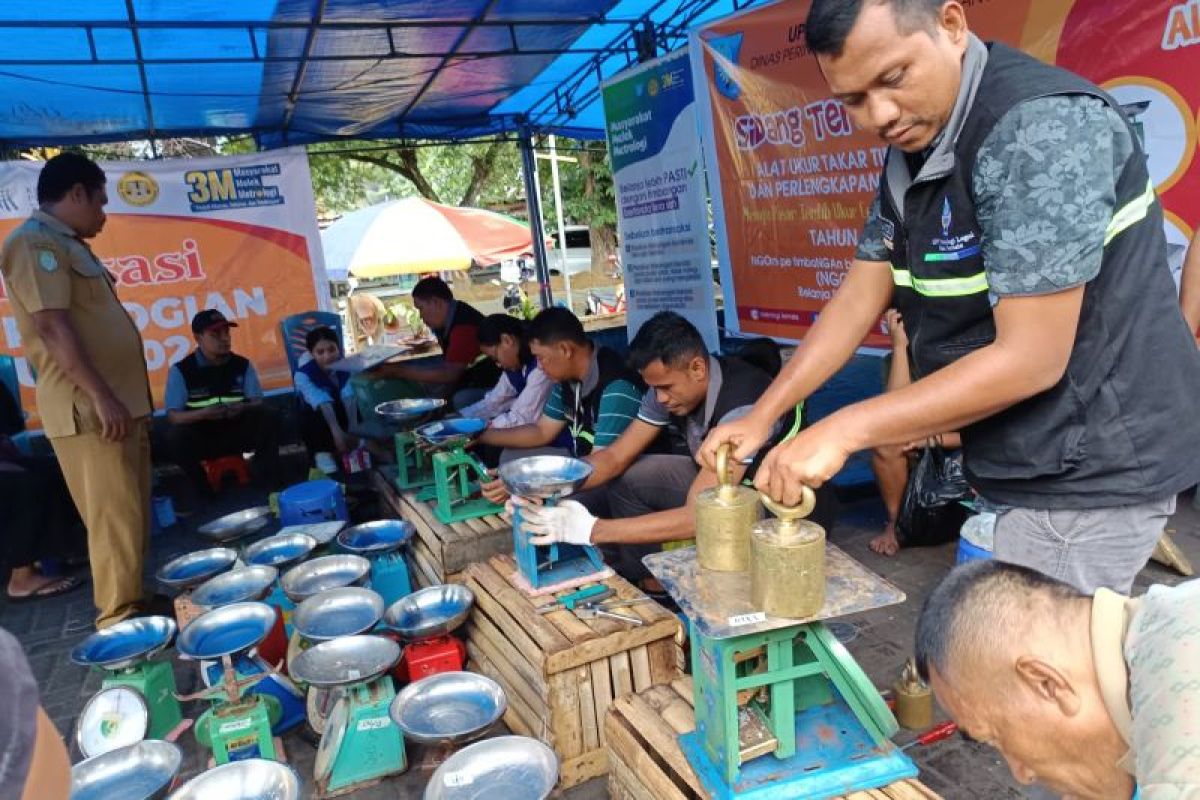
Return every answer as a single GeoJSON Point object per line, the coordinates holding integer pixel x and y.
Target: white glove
{"type": "Point", "coordinates": [568, 523]}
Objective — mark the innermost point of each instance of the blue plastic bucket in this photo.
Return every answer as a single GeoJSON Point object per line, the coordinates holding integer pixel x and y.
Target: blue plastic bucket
{"type": "Point", "coordinates": [312, 501]}
{"type": "Point", "coordinates": [969, 552]}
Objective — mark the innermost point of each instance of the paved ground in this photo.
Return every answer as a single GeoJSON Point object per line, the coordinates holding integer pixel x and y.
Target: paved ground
{"type": "Point", "coordinates": [881, 642]}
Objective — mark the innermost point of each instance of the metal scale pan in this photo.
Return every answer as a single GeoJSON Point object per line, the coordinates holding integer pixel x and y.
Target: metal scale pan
{"type": "Point", "coordinates": [236, 525]}
{"type": "Point", "coordinates": [226, 631]}
{"type": "Point", "coordinates": [432, 611]}
{"type": "Point", "coordinates": [507, 766]}
{"type": "Point", "coordinates": [450, 433]}
{"type": "Point", "coordinates": [345, 660]}
{"type": "Point", "coordinates": [545, 477]}
{"type": "Point", "coordinates": [450, 708]}
{"type": "Point", "coordinates": [126, 644]}
{"type": "Point", "coordinates": [327, 572]}
{"type": "Point", "coordinates": [246, 584]}
{"type": "Point", "coordinates": [141, 771]}
{"type": "Point", "coordinates": [281, 550]}
{"type": "Point", "coordinates": [403, 413]}
{"type": "Point", "coordinates": [347, 611]}
{"type": "Point", "coordinates": [252, 779]}
{"type": "Point", "coordinates": [376, 538]}
{"type": "Point", "coordinates": [195, 568]}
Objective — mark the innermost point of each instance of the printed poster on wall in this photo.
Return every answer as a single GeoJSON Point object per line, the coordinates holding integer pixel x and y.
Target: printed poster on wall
{"type": "Point", "coordinates": [236, 233]}
{"type": "Point", "coordinates": [658, 179]}
{"type": "Point", "coordinates": [792, 178]}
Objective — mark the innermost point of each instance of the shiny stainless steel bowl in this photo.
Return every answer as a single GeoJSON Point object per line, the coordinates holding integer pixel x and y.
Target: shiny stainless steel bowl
{"type": "Point", "coordinates": [236, 525]}
{"type": "Point", "coordinates": [323, 532]}
{"type": "Point", "coordinates": [252, 779]}
{"type": "Point", "coordinates": [126, 644]}
{"type": "Point", "coordinates": [504, 767]}
{"type": "Point", "coordinates": [409, 409]}
{"type": "Point", "coordinates": [544, 476]}
{"type": "Point", "coordinates": [345, 660]}
{"type": "Point", "coordinates": [432, 611]}
{"type": "Point", "coordinates": [327, 572]}
{"type": "Point", "coordinates": [236, 586]}
{"type": "Point", "coordinates": [226, 631]}
{"type": "Point", "coordinates": [195, 568]}
{"type": "Point", "coordinates": [374, 538]}
{"type": "Point", "coordinates": [141, 771]}
{"type": "Point", "coordinates": [281, 550]}
{"type": "Point", "coordinates": [448, 708]}
{"type": "Point", "coordinates": [332, 613]}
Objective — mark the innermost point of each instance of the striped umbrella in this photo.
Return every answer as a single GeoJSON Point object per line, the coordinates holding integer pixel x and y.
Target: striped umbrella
{"type": "Point", "coordinates": [417, 235]}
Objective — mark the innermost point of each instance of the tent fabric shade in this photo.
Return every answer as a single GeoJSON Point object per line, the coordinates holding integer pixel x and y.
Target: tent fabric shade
{"type": "Point", "coordinates": [416, 235]}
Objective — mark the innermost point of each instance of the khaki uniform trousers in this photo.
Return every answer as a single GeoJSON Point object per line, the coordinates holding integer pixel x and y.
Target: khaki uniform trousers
{"type": "Point", "coordinates": [110, 484]}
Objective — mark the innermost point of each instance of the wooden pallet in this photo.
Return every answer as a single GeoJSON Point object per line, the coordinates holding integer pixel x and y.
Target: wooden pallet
{"type": "Point", "coordinates": [645, 761]}
{"type": "Point", "coordinates": [561, 673]}
{"type": "Point", "coordinates": [439, 552]}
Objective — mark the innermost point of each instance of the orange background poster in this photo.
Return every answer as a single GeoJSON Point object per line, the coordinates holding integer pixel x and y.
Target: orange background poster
{"type": "Point", "coordinates": [238, 234]}
{"type": "Point", "coordinates": [792, 178]}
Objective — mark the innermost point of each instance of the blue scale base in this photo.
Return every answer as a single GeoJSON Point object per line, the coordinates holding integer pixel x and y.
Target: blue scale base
{"type": "Point", "coordinates": [834, 756]}
{"type": "Point", "coordinates": [389, 577]}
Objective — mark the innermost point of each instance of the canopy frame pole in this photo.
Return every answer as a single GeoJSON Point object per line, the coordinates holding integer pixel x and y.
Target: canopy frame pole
{"type": "Point", "coordinates": [534, 205]}
{"type": "Point", "coordinates": [137, 51]}
{"type": "Point", "coordinates": [310, 40]}
{"type": "Point", "coordinates": [459, 41]}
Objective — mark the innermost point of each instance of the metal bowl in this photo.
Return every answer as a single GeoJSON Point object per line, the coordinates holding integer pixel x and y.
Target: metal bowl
{"type": "Point", "coordinates": [328, 572]}
{"type": "Point", "coordinates": [195, 568]}
{"type": "Point", "coordinates": [544, 476]}
{"type": "Point", "coordinates": [236, 525]}
{"type": "Point", "coordinates": [141, 771]}
{"type": "Point", "coordinates": [226, 630]}
{"type": "Point", "coordinates": [281, 550]}
{"type": "Point", "coordinates": [448, 708]}
{"type": "Point", "coordinates": [450, 432]}
{"type": "Point", "coordinates": [373, 538]}
{"type": "Point", "coordinates": [507, 766]}
{"type": "Point", "coordinates": [337, 612]}
{"type": "Point", "coordinates": [323, 532]}
{"type": "Point", "coordinates": [432, 611]}
{"type": "Point", "coordinates": [126, 644]}
{"type": "Point", "coordinates": [347, 659]}
{"type": "Point", "coordinates": [236, 586]}
{"type": "Point", "coordinates": [408, 410]}
{"type": "Point", "coordinates": [252, 779]}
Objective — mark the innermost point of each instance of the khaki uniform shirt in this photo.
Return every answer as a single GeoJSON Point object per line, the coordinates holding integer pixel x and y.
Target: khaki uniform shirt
{"type": "Point", "coordinates": [1147, 656]}
{"type": "Point", "coordinates": [46, 266]}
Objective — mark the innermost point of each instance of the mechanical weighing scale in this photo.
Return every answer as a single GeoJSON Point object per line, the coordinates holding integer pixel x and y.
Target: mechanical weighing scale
{"type": "Point", "coordinates": [253, 779]}
{"type": "Point", "coordinates": [456, 473]}
{"type": "Point", "coordinates": [414, 467]}
{"type": "Point", "coordinates": [281, 551]}
{"type": "Point", "coordinates": [448, 710]}
{"type": "Point", "coordinates": [140, 771]}
{"type": "Point", "coordinates": [137, 696]}
{"type": "Point", "coordinates": [237, 726]}
{"type": "Point", "coordinates": [360, 743]}
{"type": "Point", "coordinates": [782, 709]}
{"type": "Point", "coordinates": [548, 478]}
{"type": "Point", "coordinates": [318, 575]}
{"type": "Point", "coordinates": [237, 525]}
{"type": "Point", "coordinates": [193, 569]}
{"type": "Point", "coordinates": [382, 542]}
{"type": "Point", "coordinates": [503, 767]}
{"type": "Point", "coordinates": [424, 620]}
{"type": "Point", "coordinates": [251, 584]}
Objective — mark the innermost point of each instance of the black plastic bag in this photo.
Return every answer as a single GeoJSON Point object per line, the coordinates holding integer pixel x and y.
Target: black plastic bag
{"type": "Point", "coordinates": [930, 512]}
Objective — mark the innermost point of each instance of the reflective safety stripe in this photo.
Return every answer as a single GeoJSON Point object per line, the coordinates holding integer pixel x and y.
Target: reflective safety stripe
{"type": "Point", "coordinates": [941, 287]}
{"type": "Point", "coordinates": [213, 401]}
{"type": "Point", "coordinates": [1131, 213]}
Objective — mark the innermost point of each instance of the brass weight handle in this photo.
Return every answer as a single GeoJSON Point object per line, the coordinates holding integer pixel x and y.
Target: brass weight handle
{"type": "Point", "coordinates": [788, 515]}
{"type": "Point", "coordinates": [726, 491]}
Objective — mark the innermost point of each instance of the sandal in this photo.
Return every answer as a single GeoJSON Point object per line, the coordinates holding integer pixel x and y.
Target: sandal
{"type": "Point", "coordinates": [52, 588]}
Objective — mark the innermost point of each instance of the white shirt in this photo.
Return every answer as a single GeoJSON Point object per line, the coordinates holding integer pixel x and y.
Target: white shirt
{"type": "Point", "coordinates": [503, 407]}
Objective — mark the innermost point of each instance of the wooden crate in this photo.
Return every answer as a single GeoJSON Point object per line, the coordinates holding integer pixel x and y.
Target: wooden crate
{"type": "Point", "coordinates": [561, 673]}
{"type": "Point", "coordinates": [439, 552]}
{"type": "Point", "coordinates": [645, 762]}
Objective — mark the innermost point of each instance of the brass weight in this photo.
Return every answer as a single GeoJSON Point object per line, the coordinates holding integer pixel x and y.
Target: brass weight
{"type": "Point", "coordinates": [724, 517]}
{"type": "Point", "coordinates": [787, 564]}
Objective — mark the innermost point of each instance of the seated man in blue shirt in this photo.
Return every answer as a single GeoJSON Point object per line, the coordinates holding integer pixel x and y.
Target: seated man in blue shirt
{"type": "Point", "coordinates": [214, 404]}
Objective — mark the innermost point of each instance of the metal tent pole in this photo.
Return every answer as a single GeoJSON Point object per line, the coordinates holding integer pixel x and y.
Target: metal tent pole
{"type": "Point", "coordinates": [534, 205]}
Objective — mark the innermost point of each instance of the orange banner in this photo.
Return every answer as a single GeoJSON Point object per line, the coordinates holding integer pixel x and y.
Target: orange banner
{"type": "Point", "coordinates": [792, 178]}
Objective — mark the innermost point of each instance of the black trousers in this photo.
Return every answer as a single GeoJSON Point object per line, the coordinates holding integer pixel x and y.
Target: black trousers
{"type": "Point", "coordinates": [255, 429]}
{"type": "Point", "coordinates": [39, 518]}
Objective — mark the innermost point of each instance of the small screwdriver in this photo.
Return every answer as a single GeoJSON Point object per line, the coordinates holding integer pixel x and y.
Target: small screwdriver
{"type": "Point", "coordinates": [935, 734]}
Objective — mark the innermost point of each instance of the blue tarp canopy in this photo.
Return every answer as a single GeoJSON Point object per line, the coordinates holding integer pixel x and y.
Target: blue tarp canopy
{"type": "Point", "coordinates": [294, 71]}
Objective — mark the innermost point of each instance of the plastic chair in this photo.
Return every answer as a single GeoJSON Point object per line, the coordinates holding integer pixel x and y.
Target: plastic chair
{"type": "Point", "coordinates": [215, 470]}
{"type": "Point", "coordinates": [297, 326]}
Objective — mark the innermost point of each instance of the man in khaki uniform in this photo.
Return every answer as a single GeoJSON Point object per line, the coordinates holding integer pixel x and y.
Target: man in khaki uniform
{"type": "Point", "coordinates": [93, 394]}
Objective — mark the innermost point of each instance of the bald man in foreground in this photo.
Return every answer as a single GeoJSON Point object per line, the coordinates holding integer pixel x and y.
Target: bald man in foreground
{"type": "Point", "coordinates": [1091, 697]}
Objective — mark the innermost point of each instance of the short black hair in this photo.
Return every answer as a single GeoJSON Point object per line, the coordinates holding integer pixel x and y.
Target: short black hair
{"type": "Point", "coordinates": [432, 287]}
{"type": "Point", "coordinates": [667, 337]}
{"type": "Point", "coordinates": [62, 172]}
{"type": "Point", "coordinates": [975, 603]}
{"type": "Point", "coordinates": [322, 333]}
{"type": "Point", "coordinates": [494, 326]}
{"type": "Point", "coordinates": [557, 324]}
{"type": "Point", "coordinates": [830, 21]}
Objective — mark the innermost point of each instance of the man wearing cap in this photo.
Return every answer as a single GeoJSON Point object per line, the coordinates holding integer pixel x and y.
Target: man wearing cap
{"type": "Point", "coordinates": [214, 404]}
{"type": "Point", "coordinates": [93, 395]}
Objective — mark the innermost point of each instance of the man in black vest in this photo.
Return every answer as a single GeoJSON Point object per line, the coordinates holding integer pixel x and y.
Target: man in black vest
{"type": "Point", "coordinates": [215, 406]}
{"type": "Point", "coordinates": [650, 495]}
{"type": "Point", "coordinates": [1017, 231]}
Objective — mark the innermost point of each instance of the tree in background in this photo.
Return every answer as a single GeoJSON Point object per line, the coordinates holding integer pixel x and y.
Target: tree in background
{"type": "Point", "coordinates": [588, 197]}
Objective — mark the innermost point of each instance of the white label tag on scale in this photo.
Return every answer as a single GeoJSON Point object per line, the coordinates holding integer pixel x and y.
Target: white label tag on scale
{"type": "Point", "coordinates": [747, 619]}
{"type": "Point", "coordinates": [374, 723]}
{"type": "Point", "coordinates": [236, 725]}
{"type": "Point", "coordinates": [458, 779]}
